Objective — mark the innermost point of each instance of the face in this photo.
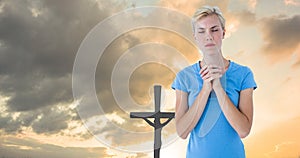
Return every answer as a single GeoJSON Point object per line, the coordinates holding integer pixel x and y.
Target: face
{"type": "Point", "coordinates": [209, 34]}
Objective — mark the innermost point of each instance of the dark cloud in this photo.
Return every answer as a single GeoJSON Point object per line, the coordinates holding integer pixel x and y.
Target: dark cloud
{"type": "Point", "coordinates": [37, 52]}
{"type": "Point", "coordinates": [9, 125]}
{"type": "Point", "coordinates": [27, 118]}
{"type": "Point", "coordinates": [51, 122]}
{"type": "Point", "coordinates": [35, 91]}
{"type": "Point", "coordinates": [38, 44]}
{"type": "Point", "coordinates": [13, 125]}
{"type": "Point", "coordinates": [42, 121]}
{"type": "Point", "coordinates": [281, 35]}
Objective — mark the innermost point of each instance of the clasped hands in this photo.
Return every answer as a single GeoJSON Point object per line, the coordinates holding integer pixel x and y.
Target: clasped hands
{"type": "Point", "coordinates": [211, 75]}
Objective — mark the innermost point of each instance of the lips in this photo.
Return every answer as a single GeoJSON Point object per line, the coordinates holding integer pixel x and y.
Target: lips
{"type": "Point", "coordinates": [210, 45]}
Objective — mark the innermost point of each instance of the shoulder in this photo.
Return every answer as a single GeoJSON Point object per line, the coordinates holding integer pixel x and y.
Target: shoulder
{"type": "Point", "coordinates": [185, 78]}
{"type": "Point", "coordinates": [243, 75]}
{"type": "Point", "coordinates": [188, 70]}
{"type": "Point", "coordinates": [239, 68]}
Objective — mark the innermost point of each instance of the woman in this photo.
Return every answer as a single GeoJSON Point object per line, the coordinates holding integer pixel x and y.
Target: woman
{"type": "Point", "coordinates": [214, 96]}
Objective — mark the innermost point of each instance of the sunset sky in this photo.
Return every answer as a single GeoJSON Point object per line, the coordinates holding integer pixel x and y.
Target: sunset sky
{"type": "Point", "coordinates": [40, 45]}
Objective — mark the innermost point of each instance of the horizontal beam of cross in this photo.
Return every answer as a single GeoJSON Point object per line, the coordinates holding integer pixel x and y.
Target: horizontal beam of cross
{"type": "Point", "coordinates": [152, 115]}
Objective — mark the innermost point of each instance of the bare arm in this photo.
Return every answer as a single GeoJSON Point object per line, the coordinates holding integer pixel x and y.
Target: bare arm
{"type": "Point", "coordinates": [187, 118]}
{"type": "Point", "coordinates": [240, 119]}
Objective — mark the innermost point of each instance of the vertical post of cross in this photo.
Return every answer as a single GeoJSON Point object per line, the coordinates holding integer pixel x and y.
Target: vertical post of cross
{"type": "Point", "coordinates": [157, 95]}
{"type": "Point", "coordinates": [157, 128]}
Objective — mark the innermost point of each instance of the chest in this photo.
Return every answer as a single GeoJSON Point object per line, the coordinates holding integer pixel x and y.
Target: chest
{"type": "Point", "coordinates": [231, 84]}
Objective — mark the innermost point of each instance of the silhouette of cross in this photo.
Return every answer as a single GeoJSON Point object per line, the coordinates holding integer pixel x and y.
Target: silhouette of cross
{"type": "Point", "coordinates": [157, 115]}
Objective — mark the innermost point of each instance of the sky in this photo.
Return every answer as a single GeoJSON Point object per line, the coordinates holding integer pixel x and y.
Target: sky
{"type": "Point", "coordinates": [45, 108]}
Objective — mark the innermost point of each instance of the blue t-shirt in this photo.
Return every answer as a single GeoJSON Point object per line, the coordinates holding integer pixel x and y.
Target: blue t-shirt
{"type": "Point", "coordinates": [213, 136]}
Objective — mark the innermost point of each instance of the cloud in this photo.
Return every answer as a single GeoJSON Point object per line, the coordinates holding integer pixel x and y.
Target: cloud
{"type": "Point", "coordinates": [245, 17]}
{"type": "Point", "coordinates": [182, 5]}
{"type": "Point", "coordinates": [130, 134]}
{"type": "Point", "coordinates": [51, 122]}
{"type": "Point", "coordinates": [252, 4]}
{"type": "Point", "coordinates": [291, 2]}
{"type": "Point", "coordinates": [189, 7]}
{"type": "Point", "coordinates": [9, 124]}
{"type": "Point", "coordinates": [140, 155]}
{"type": "Point", "coordinates": [234, 16]}
{"type": "Point", "coordinates": [27, 118]}
{"type": "Point", "coordinates": [281, 35]}
{"type": "Point", "coordinates": [239, 18]}
{"type": "Point", "coordinates": [38, 91]}
{"type": "Point", "coordinates": [38, 44]}
{"type": "Point", "coordinates": [296, 64]}
{"type": "Point", "coordinates": [20, 147]}
{"type": "Point", "coordinates": [61, 118]}
{"type": "Point", "coordinates": [38, 50]}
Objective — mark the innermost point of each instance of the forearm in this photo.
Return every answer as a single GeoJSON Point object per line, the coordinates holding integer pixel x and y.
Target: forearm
{"type": "Point", "coordinates": [188, 121]}
{"type": "Point", "coordinates": [238, 120]}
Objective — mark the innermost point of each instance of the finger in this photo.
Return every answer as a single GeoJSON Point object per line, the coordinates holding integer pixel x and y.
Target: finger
{"type": "Point", "coordinates": [212, 75]}
{"type": "Point", "coordinates": [211, 71]}
{"type": "Point", "coordinates": [216, 76]}
{"type": "Point", "coordinates": [205, 72]}
{"type": "Point", "coordinates": [215, 71]}
{"type": "Point", "coordinates": [214, 67]}
{"type": "Point", "coordinates": [210, 78]}
{"type": "Point", "coordinates": [203, 69]}
{"type": "Point", "coordinates": [205, 76]}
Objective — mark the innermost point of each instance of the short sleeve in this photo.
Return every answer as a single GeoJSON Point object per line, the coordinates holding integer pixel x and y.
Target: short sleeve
{"type": "Point", "coordinates": [178, 83]}
{"type": "Point", "coordinates": [248, 81]}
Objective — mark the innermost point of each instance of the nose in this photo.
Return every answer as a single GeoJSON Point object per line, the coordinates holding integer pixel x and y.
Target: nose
{"type": "Point", "coordinates": [208, 36]}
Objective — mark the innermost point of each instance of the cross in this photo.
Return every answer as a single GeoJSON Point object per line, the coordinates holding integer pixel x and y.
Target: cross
{"type": "Point", "coordinates": [157, 115]}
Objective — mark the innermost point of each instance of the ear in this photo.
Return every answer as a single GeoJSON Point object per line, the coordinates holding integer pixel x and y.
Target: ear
{"type": "Point", "coordinates": [224, 33]}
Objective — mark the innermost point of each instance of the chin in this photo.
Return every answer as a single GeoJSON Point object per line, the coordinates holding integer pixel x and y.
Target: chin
{"type": "Point", "coordinates": [211, 51]}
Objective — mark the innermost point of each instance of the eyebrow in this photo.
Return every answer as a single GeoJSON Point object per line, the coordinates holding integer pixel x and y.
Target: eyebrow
{"type": "Point", "coordinates": [201, 28]}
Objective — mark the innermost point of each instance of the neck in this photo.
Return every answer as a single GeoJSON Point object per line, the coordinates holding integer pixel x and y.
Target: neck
{"type": "Point", "coordinates": [225, 63]}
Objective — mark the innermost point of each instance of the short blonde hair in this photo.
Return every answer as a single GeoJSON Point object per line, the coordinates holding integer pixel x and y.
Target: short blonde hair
{"type": "Point", "coordinates": [206, 11]}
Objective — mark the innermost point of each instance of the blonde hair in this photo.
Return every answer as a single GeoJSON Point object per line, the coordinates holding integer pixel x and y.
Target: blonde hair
{"type": "Point", "coordinates": [206, 11]}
